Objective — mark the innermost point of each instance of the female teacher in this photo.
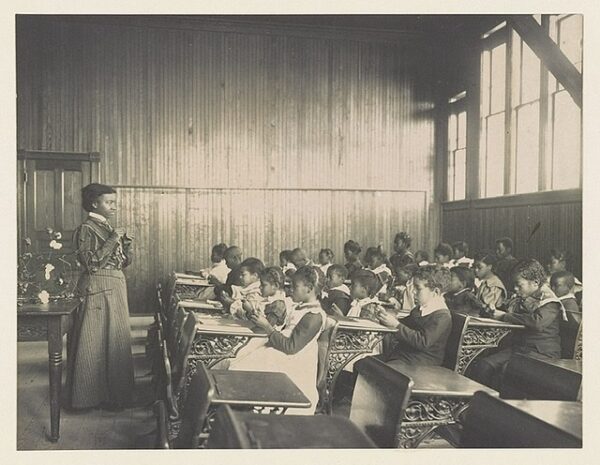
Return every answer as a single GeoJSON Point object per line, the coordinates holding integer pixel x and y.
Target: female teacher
{"type": "Point", "coordinates": [101, 366]}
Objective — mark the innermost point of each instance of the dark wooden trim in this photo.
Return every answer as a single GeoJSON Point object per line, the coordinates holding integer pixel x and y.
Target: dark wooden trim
{"type": "Point", "coordinates": [236, 26]}
{"type": "Point", "coordinates": [49, 155]}
{"type": "Point", "coordinates": [519, 200]}
{"type": "Point", "coordinates": [545, 159]}
{"type": "Point", "coordinates": [550, 54]}
{"type": "Point", "coordinates": [473, 124]}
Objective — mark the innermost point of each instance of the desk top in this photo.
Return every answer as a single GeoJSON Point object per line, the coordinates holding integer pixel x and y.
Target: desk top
{"type": "Point", "coordinates": [182, 278]}
{"type": "Point", "coordinates": [257, 388]}
{"type": "Point", "coordinates": [200, 304]}
{"type": "Point", "coordinates": [565, 416]}
{"type": "Point", "coordinates": [299, 431]}
{"type": "Point", "coordinates": [361, 324]}
{"type": "Point", "coordinates": [564, 363]}
{"type": "Point", "coordinates": [434, 380]}
{"type": "Point", "coordinates": [225, 325]}
{"type": "Point", "coordinates": [477, 321]}
{"type": "Point", "coordinates": [61, 307]}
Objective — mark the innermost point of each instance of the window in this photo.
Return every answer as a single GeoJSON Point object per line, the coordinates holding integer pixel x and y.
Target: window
{"type": "Point", "coordinates": [564, 128]}
{"type": "Point", "coordinates": [530, 127]}
{"type": "Point", "coordinates": [493, 116]}
{"type": "Point", "coordinates": [525, 118]}
{"type": "Point", "coordinates": [457, 148]}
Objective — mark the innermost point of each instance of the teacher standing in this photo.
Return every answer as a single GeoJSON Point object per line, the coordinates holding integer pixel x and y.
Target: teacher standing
{"type": "Point", "coordinates": [101, 365]}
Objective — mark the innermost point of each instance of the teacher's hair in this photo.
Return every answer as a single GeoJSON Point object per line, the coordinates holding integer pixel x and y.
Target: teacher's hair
{"type": "Point", "coordinates": [91, 192]}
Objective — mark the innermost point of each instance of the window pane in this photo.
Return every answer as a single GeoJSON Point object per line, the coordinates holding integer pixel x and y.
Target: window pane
{"type": "Point", "coordinates": [485, 83]}
{"type": "Point", "coordinates": [567, 143]}
{"type": "Point", "coordinates": [451, 175]}
{"type": "Point", "coordinates": [530, 76]}
{"type": "Point", "coordinates": [571, 33]}
{"type": "Point", "coordinates": [494, 175]}
{"type": "Point", "coordinates": [452, 132]}
{"type": "Point", "coordinates": [462, 129]}
{"type": "Point", "coordinates": [498, 78]}
{"type": "Point", "coordinates": [527, 162]}
{"type": "Point", "coordinates": [460, 174]}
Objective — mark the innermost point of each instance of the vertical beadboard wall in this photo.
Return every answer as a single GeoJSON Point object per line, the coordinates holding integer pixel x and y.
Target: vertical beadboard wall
{"type": "Point", "coordinates": [268, 141]}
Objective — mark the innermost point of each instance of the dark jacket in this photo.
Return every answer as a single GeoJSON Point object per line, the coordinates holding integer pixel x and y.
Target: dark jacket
{"type": "Point", "coordinates": [339, 298]}
{"type": "Point", "coordinates": [541, 315]}
{"type": "Point", "coordinates": [422, 339]}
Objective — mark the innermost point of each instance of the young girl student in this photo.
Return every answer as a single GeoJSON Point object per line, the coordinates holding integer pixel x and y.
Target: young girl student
{"type": "Point", "coordinates": [421, 337]}
{"type": "Point", "coordinates": [375, 260]}
{"type": "Point", "coordinates": [402, 255]}
{"type": "Point", "coordinates": [325, 260]}
{"type": "Point", "coordinates": [293, 350]}
{"type": "Point", "coordinates": [218, 271]}
{"type": "Point", "coordinates": [491, 291]}
{"type": "Point", "coordinates": [443, 255]}
{"type": "Point", "coordinates": [250, 270]}
{"type": "Point", "coordinates": [460, 297]}
{"type": "Point", "coordinates": [351, 254]}
{"type": "Point", "coordinates": [538, 309]}
{"type": "Point", "coordinates": [461, 249]}
{"type": "Point", "coordinates": [101, 365]}
{"type": "Point", "coordinates": [338, 297]}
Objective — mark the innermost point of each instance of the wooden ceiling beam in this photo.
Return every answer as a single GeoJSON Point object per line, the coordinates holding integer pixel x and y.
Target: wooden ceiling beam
{"type": "Point", "coordinates": [550, 54]}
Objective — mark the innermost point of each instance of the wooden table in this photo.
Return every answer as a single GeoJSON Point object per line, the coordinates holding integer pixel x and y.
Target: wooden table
{"type": "Point", "coordinates": [481, 334]}
{"type": "Point", "coordinates": [438, 397]}
{"type": "Point", "coordinates": [351, 338]}
{"type": "Point", "coordinates": [248, 388]}
{"type": "Point", "coordinates": [200, 306]}
{"type": "Point", "coordinates": [217, 338]}
{"type": "Point", "coordinates": [51, 321]}
{"type": "Point", "coordinates": [565, 416]}
{"type": "Point", "coordinates": [240, 430]}
{"type": "Point", "coordinates": [183, 286]}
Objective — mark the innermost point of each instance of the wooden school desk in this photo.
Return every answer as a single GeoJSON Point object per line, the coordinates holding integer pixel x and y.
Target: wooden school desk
{"type": "Point", "coordinates": [49, 322]}
{"type": "Point", "coordinates": [351, 338]}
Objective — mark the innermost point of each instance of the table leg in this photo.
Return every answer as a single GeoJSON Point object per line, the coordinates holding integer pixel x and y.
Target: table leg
{"type": "Point", "coordinates": [346, 346]}
{"type": "Point", "coordinates": [423, 415]}
{"type": "Point", "coordinates": [55, 348]}
{"type": "Point", "coordinates": [475, 341]}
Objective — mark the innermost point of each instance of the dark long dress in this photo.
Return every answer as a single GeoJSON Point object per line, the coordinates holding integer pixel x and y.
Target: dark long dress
{"type": "Point", "coordinates": [101, 365]}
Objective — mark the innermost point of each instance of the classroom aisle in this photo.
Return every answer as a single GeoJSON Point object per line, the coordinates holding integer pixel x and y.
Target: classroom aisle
{"type": "Point", "coordinates": [93, 429]}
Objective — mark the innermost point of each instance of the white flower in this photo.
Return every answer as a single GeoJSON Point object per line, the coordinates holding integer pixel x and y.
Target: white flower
{"type": "Point", "coordinates": [48, 269]}
{"type": "Point", "coordinates": [44, 297]}
{"type": "Point", "coordinates": [55, 245]}
{"type": "Point", "coordinates": [57, 235]}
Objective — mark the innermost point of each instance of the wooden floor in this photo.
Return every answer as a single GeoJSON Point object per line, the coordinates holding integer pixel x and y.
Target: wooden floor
{"type": "Point", "coordinates": [92, 429]}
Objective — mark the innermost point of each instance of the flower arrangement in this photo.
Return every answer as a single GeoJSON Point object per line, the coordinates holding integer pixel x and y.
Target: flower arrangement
{"type": "Point", "coordinates": [46, 276]}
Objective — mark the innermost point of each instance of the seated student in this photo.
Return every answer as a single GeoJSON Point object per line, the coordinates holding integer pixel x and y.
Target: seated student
{"type": "Point", "coordinates": [460, 297]}
{"type": "Point", "coordinates": [505, 261]}
{"type": "Point", "coordinates": [218, 271]}
{"type": "Point", "coordinates": [401, 291]}
{"type": "Point", "coordinates": [351, 254]}
{"type": "Point", "coordinates": [326, 257]}
{"type": "Point", "coordinates": [402, 242]}
{"type": "Point", "coordinates": [363, 289]}
{"type": "Point", "coordinates": [375, 260]}
{"type": "Point", "coordinates": [421, 337]}
{"type": "Point", "coordinates": [539, 310]}
{"type": "Point", "coordinates": [300, 259]}
{"type": "Point", "coordinates": [338, 298]}
{"type": "Point", "coordinates": [562, 284]}
{"type": "Point", "coordinates": [461, 249]}
{"type": "Point", "coordinates": [274, 304]}
{"type": "Point", "coordinates": [443, 255]}
{"type": "Point", "coordinates": [233, 258]}
{"type": "Point", "coordinates": [558, 262]}
{"type": "Point", "coordinates": [285, 262]}
{"type": "Point", "coordinates": [422, 258]}
{"type": "Point", "coordinates": [249, 290]}
{"type": "Point", "coordinates": [491, 292]}
{"type": "Point", "coordinates": [294, 349]}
